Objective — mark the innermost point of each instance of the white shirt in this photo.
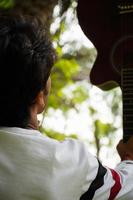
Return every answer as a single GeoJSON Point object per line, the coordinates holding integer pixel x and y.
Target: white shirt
{"type": "Point", "coordinates": [35, 167]}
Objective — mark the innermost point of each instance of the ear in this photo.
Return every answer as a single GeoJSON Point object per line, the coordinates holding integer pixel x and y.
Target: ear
{"type": "Point", "coordinates": [40, 102]}
{"type": "Point", "coordinates": [42, 97]}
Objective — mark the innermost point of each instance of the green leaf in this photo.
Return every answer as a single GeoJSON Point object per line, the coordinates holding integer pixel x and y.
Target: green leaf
{"type": "Point", "coordinates": [80, 94]}
{"type": "Point", "coordinates": [102, 129]}
{"type": "Point", "coordinates": [6, 4]}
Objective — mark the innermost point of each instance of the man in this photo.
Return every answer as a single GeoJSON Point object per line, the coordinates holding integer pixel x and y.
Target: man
{"type": "Point", "coordinates": [33, 166]}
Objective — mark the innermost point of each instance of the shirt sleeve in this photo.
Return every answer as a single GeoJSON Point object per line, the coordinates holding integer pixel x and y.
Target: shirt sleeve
{"type": "Point", "coordinates": [125, 171]}
{"type": "Point", "coordinates": [77, 172]}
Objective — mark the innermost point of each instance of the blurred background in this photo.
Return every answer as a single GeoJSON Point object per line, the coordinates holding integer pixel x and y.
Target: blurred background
{"type": "Point", "coordinates": [76, 108]}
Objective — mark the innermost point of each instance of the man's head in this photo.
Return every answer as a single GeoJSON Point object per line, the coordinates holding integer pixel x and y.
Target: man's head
{"type": "Point", "coordinates": [26, 59]}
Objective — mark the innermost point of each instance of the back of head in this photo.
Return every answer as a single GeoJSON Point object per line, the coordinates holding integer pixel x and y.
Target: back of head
{"type": "Point", "coordinates": [26, 59]}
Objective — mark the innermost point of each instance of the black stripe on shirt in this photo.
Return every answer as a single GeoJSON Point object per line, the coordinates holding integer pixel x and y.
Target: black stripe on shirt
{"type": "Point", "coordinates": [96, 183]}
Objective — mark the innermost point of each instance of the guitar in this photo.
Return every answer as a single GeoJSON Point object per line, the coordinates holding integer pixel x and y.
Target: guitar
{"type": "Point", "coordinates": [109, 26]}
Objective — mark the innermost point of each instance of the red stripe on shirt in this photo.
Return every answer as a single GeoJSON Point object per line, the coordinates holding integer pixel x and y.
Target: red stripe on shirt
{"type": "Point", "coordinates": [116, 187]}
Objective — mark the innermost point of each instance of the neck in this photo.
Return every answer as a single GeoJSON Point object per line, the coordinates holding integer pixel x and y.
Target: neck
{"type": "Point", "coordinates": [33, 122]}
{"type": "Point", "coordinates": [32, 126]}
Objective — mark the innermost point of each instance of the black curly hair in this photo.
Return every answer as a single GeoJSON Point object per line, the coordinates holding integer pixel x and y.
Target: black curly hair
{"type": "Point", "coordinates": [26, 59]}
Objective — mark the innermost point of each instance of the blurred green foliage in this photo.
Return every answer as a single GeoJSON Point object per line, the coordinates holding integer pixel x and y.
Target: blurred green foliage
{"type": "Point", "coordinates": [102, 130]}
{"type": "Point", "coordinates": [56, 135]}
{"type": "Point", "coordinates": [6, 4]}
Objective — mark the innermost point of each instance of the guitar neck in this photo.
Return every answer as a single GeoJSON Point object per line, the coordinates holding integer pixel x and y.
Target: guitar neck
{"type": "Point", "coordinates": [127, 91]}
